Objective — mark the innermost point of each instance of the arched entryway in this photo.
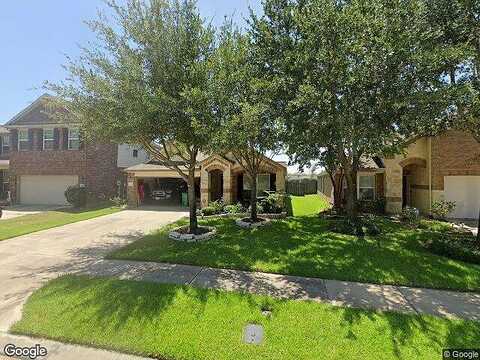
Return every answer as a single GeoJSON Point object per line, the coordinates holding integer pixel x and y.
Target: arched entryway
{"type": "Point", "coordinates": [414, 183]}
{"type": "Point", "coordinates": [215, 184]}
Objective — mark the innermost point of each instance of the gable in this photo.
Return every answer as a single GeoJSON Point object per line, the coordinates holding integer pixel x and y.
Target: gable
{"type": "Point", "coordinates": [40, 112]}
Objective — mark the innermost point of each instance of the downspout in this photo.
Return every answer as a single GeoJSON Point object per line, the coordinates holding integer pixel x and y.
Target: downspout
{"type": "Point", "coordinates": [430, 193]}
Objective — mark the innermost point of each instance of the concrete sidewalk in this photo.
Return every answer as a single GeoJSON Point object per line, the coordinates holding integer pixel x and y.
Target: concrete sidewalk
{"type": "Point", "coordinates": [447, 304]}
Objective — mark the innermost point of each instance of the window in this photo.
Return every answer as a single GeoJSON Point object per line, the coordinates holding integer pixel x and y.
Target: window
{"type": "Point", "coordinates": [73, 139]}
{"type": "Point", "coordinates": [4, 184]}
{"type": "Point", "coordinates": [23, 143]}
{"type": "Point", "coordinates": [263, 183]}
{"type": "Point", "coordinates": [135, 153]}
{"type": "Point", "coordinates": [48, 139]}
{"type": "Point", "coordinates": [366, 187]}
{"type": "Point", "coordinates": [5, 144]}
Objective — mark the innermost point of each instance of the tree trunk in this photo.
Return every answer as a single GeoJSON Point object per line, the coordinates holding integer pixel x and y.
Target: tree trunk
{"type": "Point", "coordinates": [253, 200]}
{"type": "Point", "coordinates": [192, 203]}
{"type": "Point", "coordinates": [351, 195]}
{"type": "Point", "coordinates": [337, 183]}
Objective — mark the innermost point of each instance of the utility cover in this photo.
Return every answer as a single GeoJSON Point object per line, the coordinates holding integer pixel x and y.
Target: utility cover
{"type": "Point", "coordinates": [253, 334]}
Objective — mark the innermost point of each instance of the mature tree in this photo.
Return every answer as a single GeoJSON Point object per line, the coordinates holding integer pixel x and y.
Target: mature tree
{"type": "Point", "coordinates": [344, 76]}
{"type": "Point", "coordinates": [454, 58]}
{"type": "Point", "coordinates": [248, 130]}
{"type": "Point", "coordinates": [146, 81]}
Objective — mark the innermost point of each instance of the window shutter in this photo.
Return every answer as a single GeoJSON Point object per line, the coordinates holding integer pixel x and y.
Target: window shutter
{"type": "Point", "coordinates": [56, 138]}
{"type": "Point", "coordinates": [81, 140]}
{"type": "Point", "coordinates": [14, 140]}
{"type": "Point", "coordinates": [39, 139]}
{"type": "Point", "coordinates": [65, 138]}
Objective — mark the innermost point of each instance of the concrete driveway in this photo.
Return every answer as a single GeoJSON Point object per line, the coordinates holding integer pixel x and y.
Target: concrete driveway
{"type": "Point", "coordinates": [28, 261]}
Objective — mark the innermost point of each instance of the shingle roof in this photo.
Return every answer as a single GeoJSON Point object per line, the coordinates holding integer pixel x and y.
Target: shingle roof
{"type": "Point", "coordinates": [41, 111]}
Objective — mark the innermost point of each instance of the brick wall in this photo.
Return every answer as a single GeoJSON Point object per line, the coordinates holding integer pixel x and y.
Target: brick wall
{"type": "Point", "coordinates": [454, 153]}
{"type": "Point", "coordinates": [102, 171]}
{"type": "Point", "coordinates": [95, 164]}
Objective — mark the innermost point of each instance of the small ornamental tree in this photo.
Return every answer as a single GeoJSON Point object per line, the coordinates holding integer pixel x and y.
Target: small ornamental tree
{"type": "Point", "coordinates": [146, 81]}
{"type": "Point", "coordinates": [248, 130]}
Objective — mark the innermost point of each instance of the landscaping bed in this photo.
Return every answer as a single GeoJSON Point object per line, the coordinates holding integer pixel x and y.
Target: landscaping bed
{"type": "Point", "coordinates": [181, 322]}
{"type": "Point", "coordinates": [306, 246]}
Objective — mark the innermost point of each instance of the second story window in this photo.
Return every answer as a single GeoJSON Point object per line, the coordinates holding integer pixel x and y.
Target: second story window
{"type": "Point", "coordinates": [5, 144]}
{"type": "Point", "coordinates": [48, 139]}
{"type": "Point", "coordinates": [73, 139]}
{"type": "Point", "coordinates": [135, 153]}
{"type": "Point", "coordinates": [23, 143]}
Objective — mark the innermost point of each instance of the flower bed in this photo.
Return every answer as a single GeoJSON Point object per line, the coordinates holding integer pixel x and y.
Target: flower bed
{"type": "Point", "coordinates": [181, 234]}
{"type": "Point", "coordinates": [246, 223]}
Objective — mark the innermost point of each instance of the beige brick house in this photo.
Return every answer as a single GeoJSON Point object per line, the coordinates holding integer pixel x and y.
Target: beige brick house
{"type": "Point", "coordinates": [217, 177]}
{"type": "Point", "coordinates": [446, 166]}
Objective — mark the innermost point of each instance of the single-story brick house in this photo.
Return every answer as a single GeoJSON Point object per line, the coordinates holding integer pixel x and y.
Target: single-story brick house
{"type": "Point", "coordinates": [446, 166]}
{"type": "Point", "coordinates": [217, 177]}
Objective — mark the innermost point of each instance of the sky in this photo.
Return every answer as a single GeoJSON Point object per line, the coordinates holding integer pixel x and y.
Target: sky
{"type": "Point", "coordinates": [36, 36]}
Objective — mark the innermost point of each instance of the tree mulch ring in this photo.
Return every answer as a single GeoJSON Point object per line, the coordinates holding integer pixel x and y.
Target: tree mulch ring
{"type": "Point", "coordinates": [201, 234]}
{"type": "Point", "coordinates": [247, 223]}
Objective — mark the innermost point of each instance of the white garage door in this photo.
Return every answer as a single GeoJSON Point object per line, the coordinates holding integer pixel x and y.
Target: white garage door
{"type": "Point", "coordinates": [45, 189]}
{"type": "Point", "coordinates": [465, 191]}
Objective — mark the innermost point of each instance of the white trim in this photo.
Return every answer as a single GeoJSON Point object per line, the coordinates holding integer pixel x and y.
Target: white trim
{"type": "Point", "coordinates": [363, 187]}
{"type": "Point", "coordinates": [19, 140]}
{"type": "Point", "coordinates": [73, 139]}
{"type": "Point", "coordinates": [52, 139]}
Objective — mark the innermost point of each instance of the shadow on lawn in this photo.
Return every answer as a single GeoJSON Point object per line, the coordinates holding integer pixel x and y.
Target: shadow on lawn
{"type": "Point", "coordinates": [303, 246]}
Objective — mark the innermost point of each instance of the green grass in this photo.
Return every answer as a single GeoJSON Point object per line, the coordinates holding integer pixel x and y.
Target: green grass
{"type": "Point", "coordinates": [35, 222]}
{"type": "Point", "coordinates": [174, 322]}
{"type": "Point", "coordinates": [307, 205]}
{"type": "Point", "coordinates": [304, 246]}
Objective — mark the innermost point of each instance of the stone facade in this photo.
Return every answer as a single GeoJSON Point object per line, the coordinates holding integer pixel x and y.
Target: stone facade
{"type": "Point", "coordinates": [407, 176]}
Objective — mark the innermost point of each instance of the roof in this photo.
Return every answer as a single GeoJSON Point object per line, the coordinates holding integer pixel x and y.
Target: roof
{"type": "Point", "coordinates": [151, 166]}
{"type": "Point", "coordinates": [41, 112]}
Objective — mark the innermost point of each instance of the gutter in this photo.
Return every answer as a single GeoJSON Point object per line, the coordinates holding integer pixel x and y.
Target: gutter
{"type": "Point", "coordinates": [430, 192]}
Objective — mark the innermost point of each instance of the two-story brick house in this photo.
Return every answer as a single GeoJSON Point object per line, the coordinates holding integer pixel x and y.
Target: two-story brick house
{"type": "Point", "coordinates": [47, 154]}
{"type": "Point", "coordinates": [4, 163]}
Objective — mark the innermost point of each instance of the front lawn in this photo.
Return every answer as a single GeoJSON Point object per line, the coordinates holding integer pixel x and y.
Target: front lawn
{"type": "Point", "coordinates": [304, 246]}
{"type": "Point", "coordinates": [306, 205]}
{"type": "Point", "coordinates": [175, 322]}
{"type": "Point", "coordinates": [35, 222]}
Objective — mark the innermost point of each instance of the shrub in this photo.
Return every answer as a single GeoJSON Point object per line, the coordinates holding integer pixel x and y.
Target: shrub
{"type": "Point", "coordinates": [348, 227]}
{"type": "Point", "coordinates": [209, 210]}
{"type": "Point", "coordinates": [441, 209]}
{"type": "Point", "coordinates": [376, 206]}
{"type": "Point", "coordinates": [76, 196]}
{"type": "Point", "coordinates": [118, 201]}
{"type": "Point", "coordinates": [273, 203]}
{"type": "Point", "coordinates": [410, 214]}
{"type": "Point", "coordinates": [260, 209]}
{"type": "Point", "coordinates": [234, 209]}
{"type": "Point", "coordinates": [218, 205]}
{"type": "Point", "coordinates": [455, 246]}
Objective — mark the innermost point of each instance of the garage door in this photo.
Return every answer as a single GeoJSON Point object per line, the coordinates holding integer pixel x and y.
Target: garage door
{"type": "Point", "coordinates": [45, 190]}
{"type": "Point", "coordinates": [465, 191]}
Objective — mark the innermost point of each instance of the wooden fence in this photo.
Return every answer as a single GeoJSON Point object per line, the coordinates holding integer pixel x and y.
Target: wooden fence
{"type": "Point", "coordinates": [302, 187]}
